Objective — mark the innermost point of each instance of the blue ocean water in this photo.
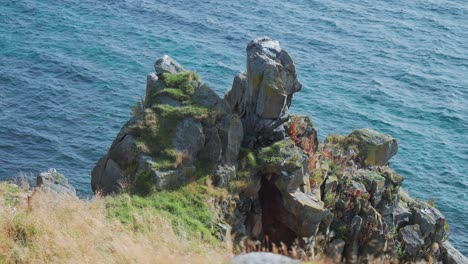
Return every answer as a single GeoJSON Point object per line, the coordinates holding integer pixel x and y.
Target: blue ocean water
{"type": "Point", "coordinates": [71, 69]}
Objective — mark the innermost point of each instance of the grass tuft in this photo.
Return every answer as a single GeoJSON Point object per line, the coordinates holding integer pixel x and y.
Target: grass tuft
{"type": "Point", "coordinates": [181, 81]}
{"type": "Point", "coordinates": [174, 93]}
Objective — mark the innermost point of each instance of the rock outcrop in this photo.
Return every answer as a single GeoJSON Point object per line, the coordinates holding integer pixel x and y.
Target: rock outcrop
{"type": "Point", "coordinates": [374, 148]}
{"type": "Point", "coordinates": [451, 255]}
{"type": "Point", "coordinates": [181, 122]}
{"type": "Point", "coordinates": [283, 206]}
{"type": "Point", "coordinates": [52, 181]}
{"type": "Point", "coordinates": [339, 198]}
{"type": "Point", "coordinates": [262, 95]}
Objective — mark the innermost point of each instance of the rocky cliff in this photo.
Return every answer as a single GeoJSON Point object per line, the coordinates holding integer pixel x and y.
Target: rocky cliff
{"type": "Point", "coordinates": [338, 199]}
{"type": "Point", "coordinates": [181, 125]}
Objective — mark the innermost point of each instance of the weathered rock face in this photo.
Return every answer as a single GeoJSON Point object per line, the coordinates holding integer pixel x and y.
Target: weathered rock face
{"type": "Point", "coordinates": [282, 207]}
{"type": "Point", "coordinates": [374, 148]}
{"type": "Point", "coordinates": [262, 95]}
{"type": "Point", "coordinates": [284, 177]}
{"type": "Point", "coordinates": [451, 255]}
{"type": "Point", "coordinates": [339, 198]}
{"type": "Point", "coordinates": [412, 240]}
{"type": "Point", "coordinates": [167, 65]}
{"type": "Point", "coordinates": [182, 122]}
{"type": "Point", "coordinates": [190, 138]}
{"type": "Point", "coordinates": [52, 181]}
{"type": "Point", "coordinates": [370, 213]}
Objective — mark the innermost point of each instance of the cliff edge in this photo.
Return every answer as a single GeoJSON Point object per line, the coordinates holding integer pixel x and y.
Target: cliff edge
{"type": "Point", "coordinates": [338, 198]}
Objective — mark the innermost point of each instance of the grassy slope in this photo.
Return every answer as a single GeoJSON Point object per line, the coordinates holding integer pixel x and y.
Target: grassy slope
{"type": "Point", "coordinates": [167, 227]}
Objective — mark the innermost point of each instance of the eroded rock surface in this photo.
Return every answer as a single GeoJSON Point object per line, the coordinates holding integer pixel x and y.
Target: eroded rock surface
{"type": "Point", "coordinates": [262, 95]}
{"type": "Point", "coordinates": [374, 148]}
{"type": "Point", "coordinates": [52, 181]}
{"type": "Point", "coordinates": [181, 123]}
{"type": "Point", "coordinates": [338, 198]}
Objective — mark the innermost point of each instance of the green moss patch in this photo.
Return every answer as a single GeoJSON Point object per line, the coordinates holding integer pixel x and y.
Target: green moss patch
{"type": "Point", "coordinates": [175, 94]}
{"type": "Point", "coordinates": [180, 81]}
{"type": "Point", "coordinates": [156, 127]}
{"type": "Point", "coordinates": [276, 154]}
{"type": "Point", "coordinates": [171, 112]}
{"type": "Point", "coordinates": [247, 158]}
{"type": "Point", "coordinates": [179, 86]}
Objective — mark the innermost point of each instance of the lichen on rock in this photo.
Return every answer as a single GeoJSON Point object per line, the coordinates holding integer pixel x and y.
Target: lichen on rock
{"type": "Point", "coordinates": [338, 198]}
{"type": "Point", "coordinates": [52, 181]}
{"type": "Point", "coordinates": [262, 96]}
{"type": "Point", "coordinates": [181, 120]}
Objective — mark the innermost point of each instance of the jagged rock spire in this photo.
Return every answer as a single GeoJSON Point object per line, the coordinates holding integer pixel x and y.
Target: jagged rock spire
{"type": "Point", "coordinates": [263, 94]}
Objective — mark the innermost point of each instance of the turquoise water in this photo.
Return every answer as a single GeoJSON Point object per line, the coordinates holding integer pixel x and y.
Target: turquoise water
{"type": "Point", "coordinates": [70, 70]}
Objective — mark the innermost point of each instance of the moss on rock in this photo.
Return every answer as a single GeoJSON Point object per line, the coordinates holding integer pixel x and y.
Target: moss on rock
{"type": "Point", "coordinates": [274, 155]}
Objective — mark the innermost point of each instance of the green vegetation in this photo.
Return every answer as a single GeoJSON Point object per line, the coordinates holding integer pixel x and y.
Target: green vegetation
{"type": "Point", "coordinates": [393, 178]}
{"type": "Point", "coordinates": [374, 175]}
{"type": "Point", "coordinates": [21, 233]}
{"type": "Point", "coordinates": [316, 178]}
{"type": "Point", "coordinates": [243, 178]}
{"type": "Point", "coordinates": [371, 178]}
{"type": "Point", "coordinates": [326, 167]}
{"type": "Point", "coordinates": [399, 249]}
{"type": "Point", "coordinates": [40, 228]}
{"type": "Point", "coordinates": [157, 124]}
{"type": "Point", "coordinates": [247, 158]}
{"type": "Point", "coordinates": [159, 128]}
{"type": "Point", "coordinates": [197, 112]}
{"type": "Point", "coordinates": [181, 81]}
{"type": "Point", "coordinates": [142, 184]}
{"type": "Point", "coordinates": [271, 155]}
{"type": "Point", "coordinates": [186, 208]}
{"type": "Point", "coordinates": [165, 163]}
{"type": "Point", "coordinates": [241, 182]}
{"type": "Point", "coordinates": [339, 143]}
{"type": "Point", "coordinates": [149, 133]}
{"type": "Point", "coordinates": [171, 160]}
{"type": "Point", "coordinates": [335, 169]}
{"type": "Point", "coordinates": [58, 178]}
{"type": "Point", "coordinates": [447, 231]}
{"type": "Point", "coordinates": [9, 193]}
{"type": "Point", "coordinates": [175, 94]}
{"type": "Point", "coordinates": [138, 109]}
{"type": "Point", "coordinates": [336, 143]}
{"type": "Point", "coordinates": [330, 200]}
{"type": "Point", "coordinates": [275, 154]}
{"type": "Point", "coordinates": [177, 86]}
{"type": "Point", "coordinates": [292, 165]}
{"type": "Point", "coordinates": [6, 188]}
{"type": "Point", "coordinates": [394, 232]}
{"type": "Point", "coordinates": [342, 230]}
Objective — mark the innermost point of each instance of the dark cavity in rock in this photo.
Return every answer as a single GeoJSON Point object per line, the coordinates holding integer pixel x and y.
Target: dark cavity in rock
{"type": "Point", "coordinates": [276, 220]}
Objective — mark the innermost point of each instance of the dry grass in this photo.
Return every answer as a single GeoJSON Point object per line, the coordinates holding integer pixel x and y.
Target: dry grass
{"type": "Point", "coordinates": [68, 230]}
